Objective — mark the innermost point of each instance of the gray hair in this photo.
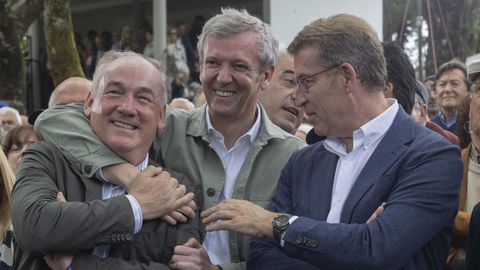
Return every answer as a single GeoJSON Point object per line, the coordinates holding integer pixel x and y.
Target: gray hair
{"type": "Point", "coordinates": [111, 56]}
{"type": "Point", "coordinates": [232, 22]}
{"type": "Point", "coordinates": [6, 109]}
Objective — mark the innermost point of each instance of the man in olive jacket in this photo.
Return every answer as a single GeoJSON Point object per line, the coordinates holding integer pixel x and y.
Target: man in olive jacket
{"type": "Point", "coordinates": [100, 227]}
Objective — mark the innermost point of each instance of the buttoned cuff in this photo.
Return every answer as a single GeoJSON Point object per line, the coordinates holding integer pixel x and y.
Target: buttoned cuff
{"type": "Point", "coordinates": [137, 212]}
{"type": "Point", "coordinates": [100, 176]}
{"type": "Point", "coordinates": [290, 221]}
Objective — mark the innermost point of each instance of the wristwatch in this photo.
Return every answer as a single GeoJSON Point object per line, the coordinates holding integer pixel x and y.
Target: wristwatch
{"type": "Point", "coordinates": [280, 224]}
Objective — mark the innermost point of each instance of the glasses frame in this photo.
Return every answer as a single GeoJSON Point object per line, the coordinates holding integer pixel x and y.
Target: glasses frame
{"type": "Point", "coordinates": [305, 82]}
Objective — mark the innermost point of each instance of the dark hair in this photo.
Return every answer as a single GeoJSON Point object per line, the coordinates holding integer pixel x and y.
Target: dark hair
{"type": "Point", "coordinates": [401, 75]}
{"type": "Point", "coordinates": [463, 122]}
{"type": "Point", "coordinates": [17, 135]}
{"type": "Point", "coordinates": [450, 65]}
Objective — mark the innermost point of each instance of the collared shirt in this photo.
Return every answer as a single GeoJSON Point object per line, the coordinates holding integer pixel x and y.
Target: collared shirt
{"type": "Point", "coordinates": [445, 121]}
{"type": "Point", "coordinates": [216, 243]}
{"type": "Point", "coordinates": [110, 190]}
{"type": "Point", "coordinates": [349, 165]}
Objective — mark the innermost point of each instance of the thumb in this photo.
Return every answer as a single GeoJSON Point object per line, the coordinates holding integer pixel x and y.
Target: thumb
{"type": "Point", "coordinates": [193, 243]}
{"type": "Point", "coordinates": [60, 197]}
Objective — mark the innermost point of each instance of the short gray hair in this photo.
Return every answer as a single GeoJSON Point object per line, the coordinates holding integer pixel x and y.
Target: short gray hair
{"type": "Point", "coordinates": [6, 109]}
{"type": "Point", "coordinates": [111, 56]}
{"type": "Point", "coordinates": [231, 22]}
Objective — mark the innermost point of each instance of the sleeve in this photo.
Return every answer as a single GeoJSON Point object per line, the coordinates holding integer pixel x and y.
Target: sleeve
{"type": "Point", "coordinates": [422, 202]}
{"type": "Point", "coordinates": [69, 129]}
{"type": "Point", "coordinates": [88, 261]}
{"type": "Point", "coordinates": [266, 253]}
{"type": "Point", "coordinates": [43, 226]}
{"type": "Point", "coordinates": [460, 232]}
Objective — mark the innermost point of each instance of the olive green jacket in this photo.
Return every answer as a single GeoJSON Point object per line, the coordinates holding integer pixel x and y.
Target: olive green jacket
{"type": "Point", "coordinates": [183, 146]}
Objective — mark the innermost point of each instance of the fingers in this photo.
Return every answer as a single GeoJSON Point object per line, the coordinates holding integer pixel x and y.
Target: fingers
{"type": "Point", "coordinates": [187, 210]}
{"type": "Point", "coordinates": [151, 171]}
{"type": "Point", "coordinates": [168, 219]}
{"type": "Point", "coordinates": [60, 197]}
{"type": "Point", "coordinates": [179, 217]}
{"type": "Point", "coordinates": [50, 260]}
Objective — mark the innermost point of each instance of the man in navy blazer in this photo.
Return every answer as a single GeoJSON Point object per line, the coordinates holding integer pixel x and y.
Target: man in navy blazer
{"type": "Point", "coordinates": [327, 210]}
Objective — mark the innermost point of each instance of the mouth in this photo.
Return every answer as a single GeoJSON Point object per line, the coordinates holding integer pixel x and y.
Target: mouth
{"type": "Point", "coordinates": [124, 125]}
{"type": "Point", "coordinates": [291, 110]}
{"type": "Point", "coordinates": [223, 93]}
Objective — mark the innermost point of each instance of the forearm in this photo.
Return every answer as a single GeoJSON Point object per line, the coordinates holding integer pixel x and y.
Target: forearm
{"type": "Point", "coordinates": [69, 129]}
{"type": "Point", "coordinates": [120, 174]}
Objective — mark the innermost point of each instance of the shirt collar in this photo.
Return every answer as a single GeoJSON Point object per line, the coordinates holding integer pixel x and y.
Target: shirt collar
{"type": "Point", "coordinates": [444, 120]}
{"type": "Point", "coordinates": [143, 165]}
{"type": "Point", "coordinates": [368, 133]}
{"type": "Point", "coordinates": [251, 134]}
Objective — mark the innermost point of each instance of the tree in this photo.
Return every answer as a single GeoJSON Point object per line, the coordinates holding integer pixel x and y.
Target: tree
{"type": "Point", "coordinates": [15, 18]}
{"type": "Point", "coordinates": [62, 51]}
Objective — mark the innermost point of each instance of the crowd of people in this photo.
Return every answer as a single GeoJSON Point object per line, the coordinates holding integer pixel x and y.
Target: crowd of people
{"type": "Point", "coordinates": [328, 154]}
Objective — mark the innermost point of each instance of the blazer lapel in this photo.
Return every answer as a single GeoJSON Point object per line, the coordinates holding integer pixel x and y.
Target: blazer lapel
{"type": "Point", "coordinates": [392, 146]}
{"type": "Point", "coordinates": [322, 184]}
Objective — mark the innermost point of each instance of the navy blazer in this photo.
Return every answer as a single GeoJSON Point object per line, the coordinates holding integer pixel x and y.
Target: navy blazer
{"type": "Point", "coordinates": [414, 170]}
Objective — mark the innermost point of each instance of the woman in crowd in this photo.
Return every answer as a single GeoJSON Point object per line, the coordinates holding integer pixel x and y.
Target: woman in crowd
{"type": "Point", "coordinates": [6, 248]}
{"type": "Point", "coordinates": [16, 141]}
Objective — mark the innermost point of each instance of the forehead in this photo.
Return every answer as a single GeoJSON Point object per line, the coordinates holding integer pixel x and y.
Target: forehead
{"type": "Point", "coordinates": [242, 46]}
{"type": "Point", "coordinates": [285, 62]}
{"type": "Point", "coordinates": [8, 115]}
{"type": "Point", "coordinates": [452, 74]}
{"type": "Point", "coordinates": [134, 71]}
{"type": "Point", "coordinates": [307, 61]}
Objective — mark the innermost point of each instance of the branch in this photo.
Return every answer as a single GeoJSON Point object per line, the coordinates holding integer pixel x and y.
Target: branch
{"type": "Point", "coordinates": [26, 12]}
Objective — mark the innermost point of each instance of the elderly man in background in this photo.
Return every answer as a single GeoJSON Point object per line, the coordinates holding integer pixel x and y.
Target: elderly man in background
{"type": "Point", "coordinates": [278, 100]}
{"type": "Point", "coordinates": [229, 146]}
{"type": "Point", "coordinates": [71, 90]}
{"type": "Point", "coordinates": [451, 87]}
{"type": "Point", "coordinates": [9, 118]}
{"type": "Point", "coordinates": [100, 226]}
{"type": "Point", "coordinates": [182, 103]}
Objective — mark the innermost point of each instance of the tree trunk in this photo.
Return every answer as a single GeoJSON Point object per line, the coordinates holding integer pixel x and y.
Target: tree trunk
{"type": "Point", "coordinates": [14, 21]}
{"type": "Point", "coordinates": [62, 52]}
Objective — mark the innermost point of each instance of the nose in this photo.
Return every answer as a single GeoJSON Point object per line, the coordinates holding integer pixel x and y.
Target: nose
{"type": "Point", "coordinates": [127, 105]}
{"type": "Point", "coordinates": [224, 75]}
{"type": "Point", "coordinates": [299, 96]}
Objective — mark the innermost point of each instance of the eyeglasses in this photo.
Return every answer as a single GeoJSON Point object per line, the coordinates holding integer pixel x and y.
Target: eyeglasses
{"type": "Point", "coordinates": [306, 81]}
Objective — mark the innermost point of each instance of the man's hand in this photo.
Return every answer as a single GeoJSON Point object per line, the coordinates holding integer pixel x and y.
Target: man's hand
{"type": "Point", "coordinates": [191, 256]}
{"type": "Point", "coordinates": [59, 261]}
{"type": "Point", "coordinates": [240, 216]}
{"type": "Point", "coordinates": [181, 214]}
{"type": "Point", "coordinates": [376, 214]}
{"type": "Point", "coordinates": [158, 193]}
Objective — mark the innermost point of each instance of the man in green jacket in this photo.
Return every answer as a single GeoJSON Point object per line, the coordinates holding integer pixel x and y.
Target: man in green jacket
{"type": "Point", "coordinates": [228, 146]}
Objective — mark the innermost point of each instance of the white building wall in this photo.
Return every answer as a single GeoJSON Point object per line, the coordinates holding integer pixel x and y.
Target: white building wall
{"type": "Point", "coordinates": [289, 17]}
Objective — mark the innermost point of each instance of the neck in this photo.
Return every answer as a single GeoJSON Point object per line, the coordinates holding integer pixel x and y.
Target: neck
{"type": "Point", "coordinates": [449, 113]}
{"type": "Point", "coordinates": [232, 128]}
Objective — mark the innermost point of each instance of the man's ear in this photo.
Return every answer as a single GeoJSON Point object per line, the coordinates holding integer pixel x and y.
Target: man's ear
{"type": "Point", "coordinates": [349, 74]}
{"type": "Point", "coordinates": [389, 91]}
{"type": "Point", "coordinates": [162, 118]}
{"type": "Point", "coordinates": [266, 76]}
{"type": "Point", "coordinates": [424, 112]}
{"type": "Point", "coordinates": [87, 107]}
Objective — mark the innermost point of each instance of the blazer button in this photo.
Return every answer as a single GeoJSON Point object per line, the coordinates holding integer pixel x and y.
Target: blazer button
{"type": "Point", "coordinates": [313, 243]}
{"type": "Point", "coordinates": [128, 237]}
{"type": "Point", "coordinates": [299, 240]}
{"type": "Point", "coordinates": [210, 192]}
{"type": "Point", "coordinates": [114, 237]}
{"type": "Point", "coordinates": [122, 236]}
{"type": "Point", "coordinates": [119, 238]}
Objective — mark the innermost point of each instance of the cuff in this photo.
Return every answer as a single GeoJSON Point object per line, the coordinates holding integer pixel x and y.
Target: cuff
{"type": "Point", "coordinates": [100, 176]}
{"type": "Point", "coordinates": [137, 212]}
{"type": "Point", "coordinates": [290, 221]}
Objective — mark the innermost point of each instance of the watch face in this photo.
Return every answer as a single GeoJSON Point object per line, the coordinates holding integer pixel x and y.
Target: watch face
{"type": "Point", "coordinates": [281, 221]}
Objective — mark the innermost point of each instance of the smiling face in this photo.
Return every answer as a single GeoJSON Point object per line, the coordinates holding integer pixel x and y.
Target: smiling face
{"type": "Point", "coordinates": [126, 113]}
{"type": "Point", "coordinates": [451, 89]}
{"type": "Point", "coordinates": [278, 97]}
{"type": "Point", "coordinates": [231, 76]}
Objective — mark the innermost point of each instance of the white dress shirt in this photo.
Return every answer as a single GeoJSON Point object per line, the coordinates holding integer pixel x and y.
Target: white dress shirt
{"type": "Point", "coordinates": [349, 165]}
{"type": "Point", "coordinates": [110, 190]}
{"type": "Point", "coordinates": [216, 243]}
